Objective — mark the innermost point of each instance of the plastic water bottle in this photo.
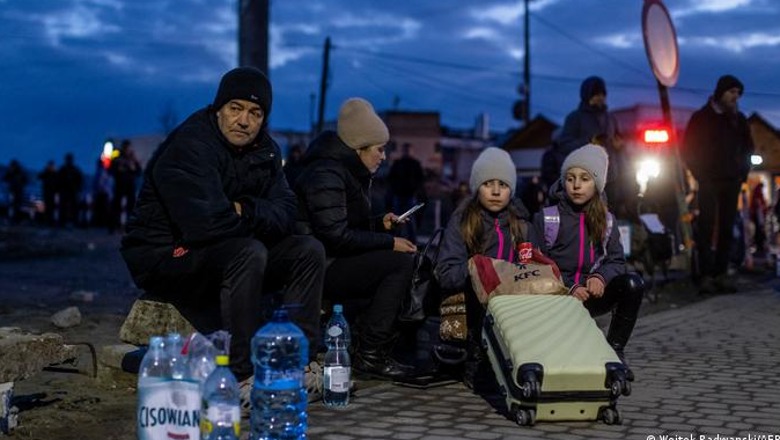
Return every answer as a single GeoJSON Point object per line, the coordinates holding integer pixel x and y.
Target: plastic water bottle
{"type": "Point", "coordinates": [167, 408]}
{"type": "Point", "coordinates": [221, 406]}
{"type": "Point", "coordinates": [153, 375]}
{"type": "Point", "coordinates": [337, 319]}
{"type": "Point", "coordinates": [185, 392]}
{"type": "Point", "coordinates": [337, 368]}
{"type": "Point", "coordinates": [280, 351]}
{"type": "Point", "coordinates": [178, 362]}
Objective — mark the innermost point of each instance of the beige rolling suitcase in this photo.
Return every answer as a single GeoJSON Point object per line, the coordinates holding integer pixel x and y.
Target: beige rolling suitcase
{"type": "Point", "coordinates": [551, 360]}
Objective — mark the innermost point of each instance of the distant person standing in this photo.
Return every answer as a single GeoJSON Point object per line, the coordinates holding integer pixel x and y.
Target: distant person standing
{"type": "Point", "coordinates": [533, 195]}
{"type": "Point", "coordinates": [591, 122]}
{"type": "Point", "coordinates": [101, 195]}
{"type": "Point", "coordinates": [16, 178]}
{"type": "Point", "coordinates": [70, 180]}
{"type": "Point", "coordinates": [758, 210]}
{"type": "Point", "coordinates": [293, 167]}
{"type": "Point", "coordinates": [406, 180]}
{"type": "Point", "coordinates": [125, 169]}
{"type": "Point", "coordinates": [717, 149]}
{"type": "Point", "coordinates": [49, 185]}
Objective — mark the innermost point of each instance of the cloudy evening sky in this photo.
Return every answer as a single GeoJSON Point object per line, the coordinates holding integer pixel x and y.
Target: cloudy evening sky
{"type": "Point", "coordinates": [74, 72]}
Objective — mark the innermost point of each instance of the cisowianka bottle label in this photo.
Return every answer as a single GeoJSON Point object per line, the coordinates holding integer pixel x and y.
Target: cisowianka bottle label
{"type": "Point", "coordinates": [168, 409]}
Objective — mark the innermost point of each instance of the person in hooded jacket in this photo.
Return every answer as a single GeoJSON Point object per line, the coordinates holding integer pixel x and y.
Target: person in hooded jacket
{"type": "Point", "coordinates": [212, 229]}
{"type": "Point", "coordinates": [592, 122]}
{"type": "Point", "coordinates": [364, 259]}
{"type": "Point", "coordinates": [491, 222]}
{"type": "Point", "coordinates": [588, 253]}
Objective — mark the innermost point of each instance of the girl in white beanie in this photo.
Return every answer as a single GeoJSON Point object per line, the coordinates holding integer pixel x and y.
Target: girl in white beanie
{"type": "Point", "coordinates": [582, 237]}
{"type": "Point", "coordinates": [491, 223]}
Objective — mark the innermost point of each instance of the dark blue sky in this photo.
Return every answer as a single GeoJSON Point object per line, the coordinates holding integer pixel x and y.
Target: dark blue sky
{"type": "Point", "coordinates": [74, 72]}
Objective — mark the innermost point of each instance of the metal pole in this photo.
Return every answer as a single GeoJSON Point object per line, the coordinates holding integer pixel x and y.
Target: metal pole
{"type": "Point", "coordinates": [527, 67]}
{"type": "Point", "coordinates": [323, 86]}
{"type": "Point", "coordinates": [666, 110]}
{"type": "Point", "coordinates": [253, 34]}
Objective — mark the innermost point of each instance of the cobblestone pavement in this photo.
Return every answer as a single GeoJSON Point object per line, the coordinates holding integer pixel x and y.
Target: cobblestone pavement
{"type": "Point", "coordinates": [708, 369]}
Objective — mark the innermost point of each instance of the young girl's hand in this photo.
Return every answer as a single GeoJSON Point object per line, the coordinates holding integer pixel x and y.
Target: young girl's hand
{"type": "Point", "coordinates": [595, 286]}
{"type": "Point", "coordinates": [581, 293]}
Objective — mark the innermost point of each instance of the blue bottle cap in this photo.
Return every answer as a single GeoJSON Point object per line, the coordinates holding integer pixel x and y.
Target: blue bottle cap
{"type": "Point", "coordinates": [338, 308]}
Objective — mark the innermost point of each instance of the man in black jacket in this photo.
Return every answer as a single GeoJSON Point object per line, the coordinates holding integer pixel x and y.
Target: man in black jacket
{"type": "Point", "coordinates": [717, 150]}
{"type": "Point", "coordinates": [212, 228]}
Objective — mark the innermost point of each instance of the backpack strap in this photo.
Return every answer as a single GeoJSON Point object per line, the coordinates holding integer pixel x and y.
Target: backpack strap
{"type": "Point", "coordinates": [552, 223]}
{"type": "Point", "coordinates": [604, 241]}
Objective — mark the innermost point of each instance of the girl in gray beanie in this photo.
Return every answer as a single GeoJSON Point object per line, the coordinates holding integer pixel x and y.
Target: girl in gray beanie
{"type": "Point", "coordinates": [582, 237]}
{"type": "Point", "coordinates": [490, 223]}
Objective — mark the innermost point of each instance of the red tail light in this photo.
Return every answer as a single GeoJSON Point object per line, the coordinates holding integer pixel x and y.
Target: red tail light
{"type": "Point", "coordinates": [656, 136]}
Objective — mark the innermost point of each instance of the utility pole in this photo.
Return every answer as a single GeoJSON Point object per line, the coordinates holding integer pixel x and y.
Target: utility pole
{"type": "Point", "coordinates": [521, 109]}
{"type": "Point", "coordinates": [323, 85]}
{"type": "Point", "coordinates": [527, 67]}
{"type": "Point", "coordinates": [253, 34]}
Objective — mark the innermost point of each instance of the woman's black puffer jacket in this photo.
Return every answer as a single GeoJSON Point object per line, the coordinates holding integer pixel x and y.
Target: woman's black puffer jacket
{"type": "Point", "coordinates": [334, 199]}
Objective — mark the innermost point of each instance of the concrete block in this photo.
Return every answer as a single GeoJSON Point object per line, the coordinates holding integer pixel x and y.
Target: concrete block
{"type": "Point", "coordinates": [113, 355]}
{"type": "Point", "coordinates": [67, 317]}
{"type": "Point", "coordinates": [24, 354]}
{"type": "Point", "coordinates": [149, 317]}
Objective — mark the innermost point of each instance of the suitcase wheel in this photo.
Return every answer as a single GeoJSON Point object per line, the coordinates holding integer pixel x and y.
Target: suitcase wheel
{"type": "Point", "coordinates": [611, 416]}
{"type": "Point", "coordinates": [626, 388]}
{"type": "Point", "coordinates": [530, 388]}
{"type": "Point", "coordinates": [616, 388]}
{"type": "Point", "coordinates": [619, 385]}
{"type": "Point", "coordinates": [525, 416]}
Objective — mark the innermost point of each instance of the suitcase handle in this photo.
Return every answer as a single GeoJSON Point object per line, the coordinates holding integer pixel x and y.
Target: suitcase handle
{"type": "Point", "coordinates": [449, 355]}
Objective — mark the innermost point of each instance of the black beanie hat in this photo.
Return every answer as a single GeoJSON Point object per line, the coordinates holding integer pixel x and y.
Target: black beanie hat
{"type": "Point", "coordinates": [247, 83]}
{"type": "Point", "coordinates": [725, 83]}
{"type": "Point", "coordinates": [592, 86]}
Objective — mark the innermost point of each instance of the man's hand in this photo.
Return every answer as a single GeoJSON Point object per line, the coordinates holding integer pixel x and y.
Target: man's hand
{"type": "Point", "coordinates": [581, 293]}
{"type": "Point", "coordinates": [237, 207]}
{"type": "Point", "coordinates": [595, 287]}
{"type": "Point", "coordinates": [403, 245]}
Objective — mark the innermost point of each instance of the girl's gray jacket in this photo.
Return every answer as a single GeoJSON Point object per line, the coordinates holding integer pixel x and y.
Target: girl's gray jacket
{"type": "Point", "coordinates": [573, 251]}
{"type": "Point", "coordinates": [452, 266]}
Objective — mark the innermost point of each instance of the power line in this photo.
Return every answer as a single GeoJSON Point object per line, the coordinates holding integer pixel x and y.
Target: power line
{"type": "Point", "coordinates": [429, 61]}
{"type": "Point", "coordinates": [580, 41]}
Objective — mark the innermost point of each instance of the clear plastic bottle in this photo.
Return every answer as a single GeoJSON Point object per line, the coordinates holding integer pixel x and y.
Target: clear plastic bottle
{"type": "Point", "coordinates": [185, 392]}
{"type": "Point", "coordinates": [280, 351]}
{"type": "Point", "coordinates": [337, 319]}
{"type": "Point", "coordinates": [178, 361]}
{"type": "Point", "coordinates": [200, 357]}
{"type": "Point", "coordinates": [337, 369]}
{"type": "Point", "coordinates": [153, 378]}
{"type": "Point", "coordinates": [220, 411]}
{"type": "Point", "coordinates": [167, 407]}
